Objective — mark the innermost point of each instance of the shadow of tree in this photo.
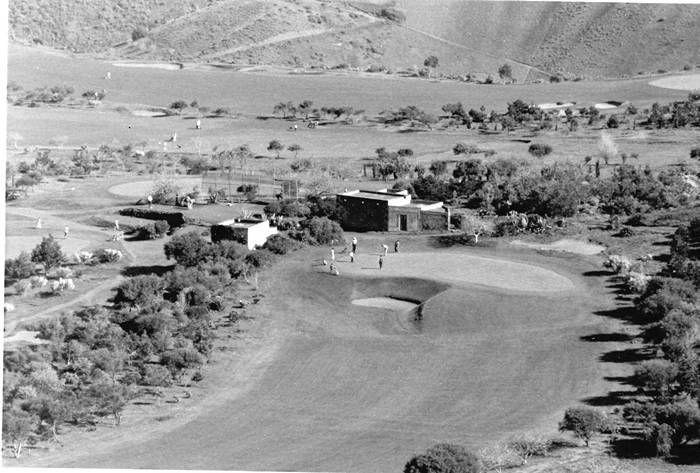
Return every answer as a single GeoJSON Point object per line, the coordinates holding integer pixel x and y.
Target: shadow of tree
{"type": "Point", "coordinates": [607, 337]}
{"type": "Point", "coordinates": [158, 270]}
{"type": "Point", "coordinates": [628, 355]}
{"type": "Point", "coordinates": [627, 314]}
{"type": "Point", "coordinates": [613, 398]}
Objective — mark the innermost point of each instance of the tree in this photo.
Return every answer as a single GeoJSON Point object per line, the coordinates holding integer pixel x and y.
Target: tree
{"type": "Point", "coordinates": [305, 107]}
{"type": "Point", "coordinates": [505, 72]}
{"type": "Point", "coordinates": [18, 427]}
{"type": "Point", "coordinates": [48, 253]}
{"type": "Point", "coordinates": [140, 291]}
{"type": "Point", "coordinates": [83, 161]}
{"type": "Point", "coordinates": [294, 148]}
{"type": "Point", "coordinates": [444, 458]}
{"type": "Point", "coordinates": [280, 108]}
{"type": "Point", "coordinates": [110, 398]}
{"type": "Point", "coordinates": [275, 146]}
{"type": "Point", "coordinates": [583, 422]}
{"type": "Point", "coordinates": [431, 62]}
{"type": "Point", "coordinates": [179, 105]}
{"type": "Point", "coordinates": [438, 168]}
{"type": "Point", "coordinates": [187, 249]}
{"type": "Point", "coordinates": [20, 267]}
{"type": "Point", "coordinates": [138, 33]}
{"type": "Point", "coordinates": [243, 154]}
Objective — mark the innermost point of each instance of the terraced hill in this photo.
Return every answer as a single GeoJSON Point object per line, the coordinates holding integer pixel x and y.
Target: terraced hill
{"type": "Point", "coordinates": [469, 37]}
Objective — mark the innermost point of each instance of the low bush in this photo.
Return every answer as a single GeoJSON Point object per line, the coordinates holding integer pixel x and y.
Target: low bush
{"type": "Point", "coordinates": [281, 245]}
{"type": "Point", "coordinates": [107, 255]}
{"type": "Point", "coordinates": [38, 282]}
{"type": "Point", "coordinates": [61, 285]}
{"type": "Point", "coordinates": [156, 375]}
{"type": "Point", "coordinates": [20, 267]}
{"type": "Point", "coordinates": [695, 153]}
{"type": "Point", "coordinates": [60, 273]}
{"type": "Point", "coordinates": [22, 287]}
{"type": "Point", "coordinates": [539, 149]}
{"type": "Point", "coordinates": [259, 258]}
{"type": "Point", "coordinates": [445, 458]}
{"type": "Point", "coordinates": [618, 264]}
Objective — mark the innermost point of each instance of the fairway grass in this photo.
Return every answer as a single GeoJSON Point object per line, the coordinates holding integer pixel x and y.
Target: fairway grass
{"type": "Point", "coordinates": [352, 388]}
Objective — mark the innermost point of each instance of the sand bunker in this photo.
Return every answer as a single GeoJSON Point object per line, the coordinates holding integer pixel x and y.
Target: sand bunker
{"type": "Point", "coordinates": [550, 106]}
{"type": "Point", "coordinates": [142, 188]}
{"type": "Point", "coordinates": [605, 106]}
{"type": "Point", "coordinates": [386, 303]}
{"type": "Point", "coordinates": [153, 65]}
{"type": "Point", "coordinates": [147, 113]}
{"type": "Point", "coordinates": [460, 269]}
{"type": "Point", "coordinates": [685, 82]}
{"type": "Point", "coordinates": [14, 245]}
{"type": "Point", "coordinates": [570, 246]}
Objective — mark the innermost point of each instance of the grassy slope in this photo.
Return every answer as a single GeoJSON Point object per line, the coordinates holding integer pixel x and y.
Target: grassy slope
{"type": "Point", "coordinates": [469, 37]}
{"type": "Point", "coordinates": [596, 39]}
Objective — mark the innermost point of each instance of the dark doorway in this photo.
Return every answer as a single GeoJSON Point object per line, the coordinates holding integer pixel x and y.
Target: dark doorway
{"type": "Point", "coordinates": [403, 223]}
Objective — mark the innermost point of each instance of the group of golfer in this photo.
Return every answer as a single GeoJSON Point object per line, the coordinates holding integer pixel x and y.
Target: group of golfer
{"type": "Point", "coordinates": [353, 252]}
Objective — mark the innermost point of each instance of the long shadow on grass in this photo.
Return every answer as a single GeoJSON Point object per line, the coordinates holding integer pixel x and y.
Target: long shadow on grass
{"type": "Point", "coordinates": [626, 314]}
{"type": "Point", "coordinates": [613, 398]}
{"type": "Point", "coordinates": [607, 337]}
{"type": "Point", "coordinates": [599, 273]}
{"type": "Point", "coordinates": [637, 447]}
{"type": "Point", "coordinates": [628, 355]}
{"type": "Point", "coordinates": [158, 270]}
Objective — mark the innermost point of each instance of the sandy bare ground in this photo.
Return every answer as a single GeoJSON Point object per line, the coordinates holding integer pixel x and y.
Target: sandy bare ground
{"type": "Point", "coordinates": [142, 188]}
{"type": "Point", "coordinates": [339, 387]}
{"type": "Point", "coordinates": [684, 82]}
{"type": "Point", "coordinates": [566, 245]}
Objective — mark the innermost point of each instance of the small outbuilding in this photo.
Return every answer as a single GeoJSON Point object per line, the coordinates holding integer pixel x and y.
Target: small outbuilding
{"type": "Point", "coordinates": [250, 232]}
{"type": "Point", "coordinates": [389, 210]}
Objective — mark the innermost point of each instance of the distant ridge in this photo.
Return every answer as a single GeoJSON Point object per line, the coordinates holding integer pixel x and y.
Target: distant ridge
{"type": "Point", "coordinates": [537, 39]}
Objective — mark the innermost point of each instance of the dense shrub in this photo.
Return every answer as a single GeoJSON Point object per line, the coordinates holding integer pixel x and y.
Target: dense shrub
{"type": "Point", "coordinates": [156, 375]}
{"type": "Point", "coordinates": [174, 219]}
{"type": "Point", "coordinates": [107, 255]}
{"type": "Point", "coordinates": [695, 153]}
{"type": "Point", "coordinates": [187, 249]}
{"type": "Point", "coordinates": [584, 422]}
{"type": "Point", "coordinates": [20, 267]}
{"type": "Point", "coordinates": [48, 253]}
{"type": "Point", "coordinates": [139, 291]}
{"type": "Point", "coordinates": [539, 149]}
{"type": "Point", "coordinates": [280, 244]}
{"type": "Point", "coordinates": [444, 458]}
{"type": "Point", "coordinates": [319, 231]}
{"type": "Point", "coordinates": [259, 258]}
{"type": "Point", "coordinates": [664, 295]}
{"type": "Point", "coordinates": [151, 231]}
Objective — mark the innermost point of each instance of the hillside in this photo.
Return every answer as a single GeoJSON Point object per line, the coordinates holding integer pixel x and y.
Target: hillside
{"type": "Point", "coordinates": [536, 38]}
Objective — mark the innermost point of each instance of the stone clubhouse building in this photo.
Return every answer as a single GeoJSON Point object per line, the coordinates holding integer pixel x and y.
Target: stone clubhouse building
{"type": "Point", "coordinates": [390, 210]}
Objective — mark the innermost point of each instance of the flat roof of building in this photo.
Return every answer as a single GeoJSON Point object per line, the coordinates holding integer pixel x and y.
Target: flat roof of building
{"type": "Point", "coordinates": [374, 195]}
{"type": "Point", "coordinates": [241, 222]}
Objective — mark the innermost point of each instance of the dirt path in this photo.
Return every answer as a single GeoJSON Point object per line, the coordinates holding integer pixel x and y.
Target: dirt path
{"type": "Point", "coordinates": [97, 295]}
